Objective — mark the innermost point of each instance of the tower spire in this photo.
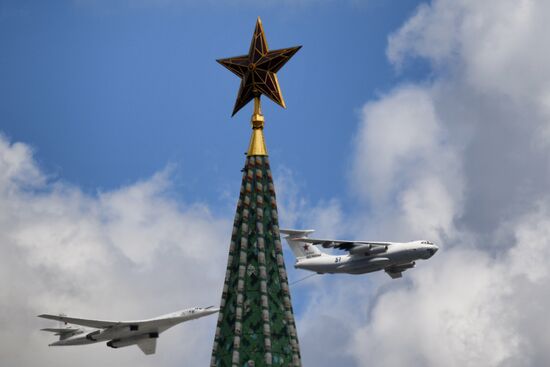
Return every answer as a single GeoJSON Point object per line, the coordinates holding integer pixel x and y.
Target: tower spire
{"type": "Point", "coordinates": [256, 325]}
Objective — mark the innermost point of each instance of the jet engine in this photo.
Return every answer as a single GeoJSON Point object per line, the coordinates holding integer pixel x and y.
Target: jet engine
{"type": "Point", "coordinates": [125, 342]}
{"type": "Point", "coordinates": [93, 334]}
{"type": "Point", "coordinates": [368, 250]}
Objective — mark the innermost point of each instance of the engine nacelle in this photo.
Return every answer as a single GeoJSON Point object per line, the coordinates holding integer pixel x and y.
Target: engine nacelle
{"type": "Point", "coordinates": [368, 250]}
{"type": "Point", "coordinates": [91, 336]}
{"type": "Point", "coordinates": [125, 342]}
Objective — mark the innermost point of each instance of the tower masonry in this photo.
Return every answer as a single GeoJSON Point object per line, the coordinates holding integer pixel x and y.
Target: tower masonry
{"type": "Point", "coordinates": [256, 325]}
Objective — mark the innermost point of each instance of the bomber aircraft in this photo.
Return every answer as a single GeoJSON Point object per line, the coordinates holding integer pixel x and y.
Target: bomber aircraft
{"type": "Point", "coordinates": [118, 334]}
{"type": "Point", "coordinates": [363, 256]}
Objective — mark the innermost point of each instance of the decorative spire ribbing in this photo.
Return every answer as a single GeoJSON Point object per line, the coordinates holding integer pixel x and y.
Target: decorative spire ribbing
{"type": "Point", "coordinates": [256, 324]}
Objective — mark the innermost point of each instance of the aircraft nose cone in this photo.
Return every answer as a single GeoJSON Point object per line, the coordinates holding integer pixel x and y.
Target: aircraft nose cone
{"type": "Point", "coordinates": [433, 249]}
{"type": "Point", "coordinates": [212, 310]}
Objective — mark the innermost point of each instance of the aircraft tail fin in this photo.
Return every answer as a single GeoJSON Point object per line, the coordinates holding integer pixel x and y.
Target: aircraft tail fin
{"type": "Point", "coordinates": [299, 248]}
{"type": "Point", "coordinates": [64, 331]}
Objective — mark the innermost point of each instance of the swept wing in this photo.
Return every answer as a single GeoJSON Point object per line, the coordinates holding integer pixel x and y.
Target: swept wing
{"type": "Point", "coordinates": [59, 331]}
{"type": "Point", "coordinates": [98, 324]}
{"type": "Point", "coordinates": [351, 246]}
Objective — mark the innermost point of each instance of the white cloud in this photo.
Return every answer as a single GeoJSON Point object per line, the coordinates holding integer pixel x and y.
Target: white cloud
{"type": "Point", "coordinates": [132, 253]}
{"type": "Point", "coordinates": [464, 159]}
{"type": "Point", "coordinates": [533, 237]}
{"type": "Point", "coordinates": [405, 168]}
{"type": "Point", "coordinates": [452, 315]}
{"type": "Point", "coordinates": [397, 131]}
{"type": "Point", "coordinates": [128, 253]}
{"type": "Point", "coordinates": [495, 47]}
{"type": "Point", "coordinates": [467, 308]}
{"type": "Point", "coordinates": [297, 211]}
{"type": "Point", "coordinates": [490, 98]}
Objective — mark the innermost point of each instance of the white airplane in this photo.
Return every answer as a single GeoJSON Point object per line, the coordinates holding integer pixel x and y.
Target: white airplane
{"type": "Point", "coordinates": [363, 256]}
{"type": "Point", "coordinates": [143, 333]}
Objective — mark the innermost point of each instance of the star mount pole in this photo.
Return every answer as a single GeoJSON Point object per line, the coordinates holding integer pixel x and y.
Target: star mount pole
{"type": "Point", "coordinates": [258, 72]}
{"type": "Point", "coordinates": [256, 325]}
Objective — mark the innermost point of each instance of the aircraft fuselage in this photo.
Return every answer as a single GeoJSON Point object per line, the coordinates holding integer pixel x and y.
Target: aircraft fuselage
{"type": "Point", "coordinates": [401, 255]}
{"type": "Point", "coordinates": [143, 329]}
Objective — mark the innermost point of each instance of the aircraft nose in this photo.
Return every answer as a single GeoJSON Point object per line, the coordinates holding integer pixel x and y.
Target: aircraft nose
{"type": "Point", "coordinates": [433, 249]}
{"type": "Point", "coordinates": [210, 310]}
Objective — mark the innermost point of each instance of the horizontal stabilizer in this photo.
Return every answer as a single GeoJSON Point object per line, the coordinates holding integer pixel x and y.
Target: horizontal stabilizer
{"type": "Point", "coordinates": [296, 232]}
{"type": "Point", "coordinates": [63, 333]}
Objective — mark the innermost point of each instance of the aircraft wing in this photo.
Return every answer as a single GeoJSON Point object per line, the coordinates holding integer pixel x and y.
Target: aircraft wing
{"type": "Point", "coordinates": [148, 346]}
{"type": "Point", "coordinates": [342, 244]}
{"type": "Point", "coordinates": [98, 324]}
{"type": "Point", "coordinates": [59, 331]}
{"type": "Point", "coordinates": [104, 324]}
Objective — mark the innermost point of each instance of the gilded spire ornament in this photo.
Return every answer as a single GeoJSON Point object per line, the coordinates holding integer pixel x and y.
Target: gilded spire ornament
{"type": "Point", "coordinates": [257, 71]}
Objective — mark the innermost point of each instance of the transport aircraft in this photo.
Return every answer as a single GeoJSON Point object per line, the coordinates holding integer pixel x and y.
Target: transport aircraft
{"type": "Point", "coordinates": [362, 257]}
{"type": "Point", "coordinates": [118, 334]}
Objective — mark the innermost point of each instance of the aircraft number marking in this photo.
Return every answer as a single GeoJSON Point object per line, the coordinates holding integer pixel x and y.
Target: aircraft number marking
{"type": "Point", "coordinates": [338, 259]}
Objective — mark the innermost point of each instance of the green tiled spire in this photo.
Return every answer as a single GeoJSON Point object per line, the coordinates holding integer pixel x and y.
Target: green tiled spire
{"type": "Point", "coordinates": [256, 323]}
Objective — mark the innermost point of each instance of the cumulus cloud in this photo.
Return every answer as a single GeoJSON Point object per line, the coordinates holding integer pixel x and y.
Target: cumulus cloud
{"type": "Point", "coordinates": [462, 158]}
{"type": "Point", "coordinates": [405, 168]}
{"type": "Point", "coordinates": [468, 308]}
{"type": "Point", "coordinates": [298, 211]}
{"type": "Point", "coordinates": [491, 97]}
{"type": "Point", "coordinates": [128, 253]}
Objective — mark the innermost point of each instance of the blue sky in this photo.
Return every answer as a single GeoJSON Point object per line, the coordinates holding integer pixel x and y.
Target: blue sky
{"type": "Point", "coordinates": [120, 167]}
{"type": "Point", "coordinates": [110, 92]}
